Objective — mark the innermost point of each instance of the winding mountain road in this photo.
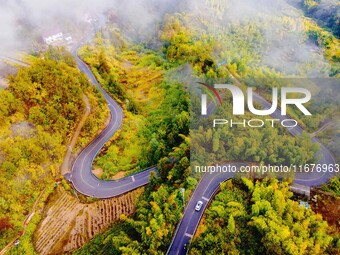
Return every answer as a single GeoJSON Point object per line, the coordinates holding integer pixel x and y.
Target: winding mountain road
{"type": "Point", "coordinates": [88, 184]}
{"type": "Point", "coordinates": [210, 183]}
{"type": "Point", "coordinates": [82, 178]}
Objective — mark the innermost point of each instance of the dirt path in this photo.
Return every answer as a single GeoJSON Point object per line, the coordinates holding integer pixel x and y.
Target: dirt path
{"type": "Point", "coordinates": [25, 223]}
{"type": "Point", "coordinates": [65, 167]}
{"type": "Point", "coordinates": [324, 127]}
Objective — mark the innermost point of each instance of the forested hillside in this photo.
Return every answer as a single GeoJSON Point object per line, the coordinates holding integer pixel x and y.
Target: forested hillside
{"type": "Point", "coordinates": [326, 12]}
{"type": "Point", "coordinates": [194, 49]}
{"type": "Point", "coordinates": [260, 44]}
{"type": "Point", "coordinates": [39, 112]}
{"type": "Point", "coordinates": [259, 217]}
{"type": "Point", "coordinates": [155, 109]}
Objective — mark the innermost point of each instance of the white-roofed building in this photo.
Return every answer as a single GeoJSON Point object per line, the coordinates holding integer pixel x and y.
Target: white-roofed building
{"type": "Point", "coordinates": [53, 36]}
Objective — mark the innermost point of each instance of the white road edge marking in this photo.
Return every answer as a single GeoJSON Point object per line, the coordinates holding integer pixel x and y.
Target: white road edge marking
{"type": "Point", "coordinates": [206, 199]}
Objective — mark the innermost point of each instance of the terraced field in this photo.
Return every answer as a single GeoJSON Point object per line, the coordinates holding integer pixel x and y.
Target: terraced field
{"type": "Point", "coordinates": [68, 224]}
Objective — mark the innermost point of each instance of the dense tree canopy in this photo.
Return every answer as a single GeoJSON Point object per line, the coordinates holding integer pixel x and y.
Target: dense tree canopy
{"type": "Point", "coordinates": [260, 218]}
{"type": "Point", "coordinates": [44, 102]}
{"type": "Point", "coordinates": [39, 112]}
{"type": "Point", "coordinates": [246, 216]}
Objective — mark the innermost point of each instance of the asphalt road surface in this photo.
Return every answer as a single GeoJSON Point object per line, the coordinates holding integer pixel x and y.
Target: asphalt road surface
{"type": "Point", "coordinates": [82, 178]}
{"type": "Point", "coordinates": [210, 183]}
{"type": "Point", "coordinates": [88, 184]}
